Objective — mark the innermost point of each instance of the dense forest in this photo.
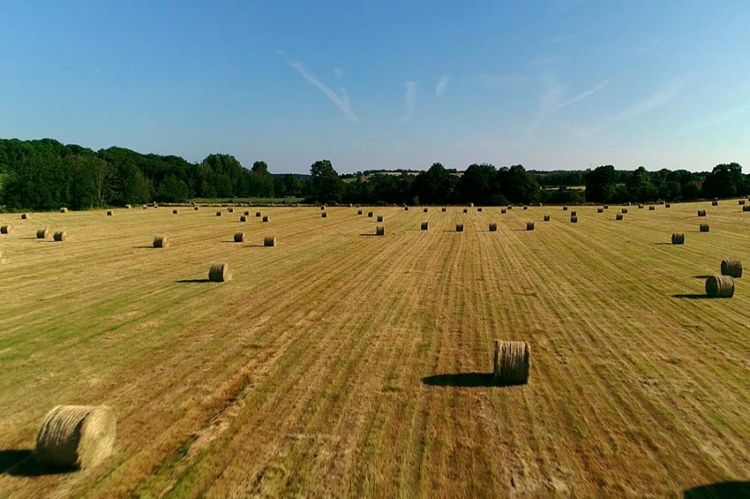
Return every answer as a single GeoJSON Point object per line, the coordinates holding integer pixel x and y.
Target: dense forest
{"type": "Point", "coordinates": [45, 174]}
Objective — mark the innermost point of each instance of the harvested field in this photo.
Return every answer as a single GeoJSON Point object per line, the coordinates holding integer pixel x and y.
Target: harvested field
{"type": "Point", "coordinates": [340, 364]}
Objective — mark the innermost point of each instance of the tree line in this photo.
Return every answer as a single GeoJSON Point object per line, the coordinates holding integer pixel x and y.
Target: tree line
{"type": "Point", "coordinates": [45, 174]}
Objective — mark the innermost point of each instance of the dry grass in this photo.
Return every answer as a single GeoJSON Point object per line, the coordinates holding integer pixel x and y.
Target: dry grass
{"type": "Point", "coordinates": [511, 362]}
{"type": "Point", "coordinates": [76, 436]}
{"type": "Point", "coordinates": [219, 272]}
{"type": "Point", "coordinates": [720, 286]}
{"type": "Point", "coordinates": [731, 267]}
{"type": "Point", "coordinates": [343, 365]}
{"type": "Point", "coordinates": [160, 242]}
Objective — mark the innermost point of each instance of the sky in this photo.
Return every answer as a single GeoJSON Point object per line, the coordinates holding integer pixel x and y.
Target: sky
{"type": "Point", "coordinates": [558, 84]}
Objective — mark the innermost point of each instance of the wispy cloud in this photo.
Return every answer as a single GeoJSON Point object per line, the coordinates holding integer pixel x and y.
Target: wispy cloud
{"type": "Point", "coordinates": [442, 85]}
{"type": "Point", "coordinates": [551, 99]}
{"type": "Point", "coordinates": [552, 96]}
{"type": "Point", "coordinates": [654, 101]}
{"type": "Point", "coordinates": [340, 98]}
{"type": "Point", "coordinates": [410, 98]}
{"type": "Point", "coordinates": [716, 120]}
{"type": "Point", "coordinates": [599, 86]}
{"type": "Point", "coordinates": [558, 39]}
{"type": "Point", "coordinates": [338, 73]}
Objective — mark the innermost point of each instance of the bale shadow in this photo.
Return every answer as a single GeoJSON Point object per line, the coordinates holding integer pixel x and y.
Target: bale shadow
{"type": "Point", "coordinates": [21, 462]}
{"type": "Point", "coordinates": [668, 244]}
{"type": "Point", "coordinates": [701, 276]}
{"type": "Point", "coordinates": [735, 489]}
{"type": "Point", "coordinates": [691, 296]}
{"type": "Point", "coordinates": [464, 380]}
{"type": "Point", "coordinates": [369, 235]}
{"type": "Point", "coordinates": [192, 281]}
{"type": "Point", "coordinates": [143, 246]}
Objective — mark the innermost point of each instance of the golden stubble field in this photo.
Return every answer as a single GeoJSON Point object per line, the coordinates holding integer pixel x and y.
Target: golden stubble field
{"type": "Point", "coordinates": [343, 364]}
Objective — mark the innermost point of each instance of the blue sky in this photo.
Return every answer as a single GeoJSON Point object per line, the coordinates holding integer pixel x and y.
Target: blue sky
{"type": "Point", "coordinates": [376, 84]}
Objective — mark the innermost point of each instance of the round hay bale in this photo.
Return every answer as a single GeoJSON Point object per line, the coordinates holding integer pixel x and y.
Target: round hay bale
{"type": "Point", "coordinates": [565, 208]}
{"type": "Point", "coordinates": [243, 218]}
{"type": "Point", "coordinates": [195, 208]}
{"type": "Point", "coordinates": [525, 207]}
{"type": "Point", "coordinates": [359, 212]}
{"type": "Point", "coordinates": [42, 233]}
{"type": "Point", "coordinates": [230, 210]}
{"type": "Point", "coordinates": [731, 267]}
{"type": "Point", "coordinates": [720, 286]}
{"type": "Point", "coordinates": [606, 206]}
{"type": "Point", "coordinates": [76, 436]}
{"type": "Point", "coordinates": [443, 210]}
{"type": "Point", "coordinates": [573, 219]}
{"type": "Point", "coordinates": [624, 210]}
{"type": "Point", "coordinates": [741, 202]}
{"type": "Point", "coordinates": [510, 363]}
{"type": "Point", "coordinates": [175, 212]}
{"type": "Point", "coordinates": [425, 226]}
{"type": "Point", "coordinates": [379, 230]}
{"type": "Point", "coordinates": [324, 214]}
{"type": "Point", "coordinates": [667, 205]}
{"type": "Point", "coordinates": [425, 210]}
{"type": "Point", "coordinates": [155, 204]}
{"type": "Point", "coordinates": [651, 208]}
{"type": "Point", "coordinates": [547, 218]}
{"type": "Point", "coordinates": [479, 210]}
{"type": "Point", "coordinates": [704, 228]}
{"type": "Point", "coordinates": [161, 242]}
{"type": "Point", "coordinates": [145, 207]}
{"type": "Point", "coordinates": [60, 236]}
{"type": "Point", "coordinates": [25, 216]}
{"type": "Point", "coordinates": [246, 214]}
{"type": "Point", "coordinates": [619, 216]}
{"type": "Point", "coordinates": [110, 213]}
{"type": "Point", "coordinates": [459, 227]}
{"type": "Point", "coordinates": [714, 203]}
{"type": "Point", "coordinates": [503, 211]}
{"type": "Point", "coordinates": [701, 213]}
{"type": "Point", "coordinates": [640, 206]}
{"type": "Point", "coordinates": [406, 208]}
{"type": "Point", "coordinates": [257, 214]}
{"type": "Point", "coordinates": [573, 213]}
{"type": "Point", "coordinates": [128, 206]}
{"type": "Point", "coordinates": [466, 210]}
{"type": "Point", "coordinates": [678, 238]}
{"type": "Point", "coordinates": [266, 219]}
{"type": "Point", "coordinates": [63, 210]}
{"type": "Point", "coordinates": [600, 210]}
{"type": "Point", "coordinates": [493, 227]}
{"type": "Point", "coordinates": [746, 208]}
{"type": "Point", "coordinates": [369, 214]}
{"type": "Point", "coordinates": [218, 213]}
{"type": "Point", "coordinates": [239, 237]}
{"type": "Point", "coordinates": [322, 207]}
{"type": "Point", "coordinates": [529, 225]}
{"type": "Point", "coordinates": [5, 229]}
{"type": "Point", "coordinates": [269, 241]}
{"type": "Point", "coordinates": [379, 219]}
{"type": "Point", "coordinates": [219, 272]}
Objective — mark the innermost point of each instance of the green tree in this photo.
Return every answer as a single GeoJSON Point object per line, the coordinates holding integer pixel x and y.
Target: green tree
{"type": "Point", "coordinates": [601, 184]}
{"type": "Point", "coordinates": [325, 184]}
